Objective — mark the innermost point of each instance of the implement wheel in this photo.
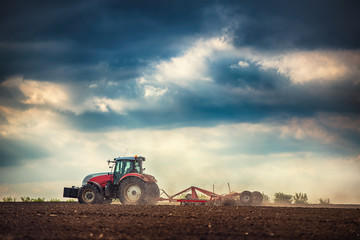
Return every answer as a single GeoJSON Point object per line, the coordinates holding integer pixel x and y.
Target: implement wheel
{"type": "Point", "coordinates": [89, 194]}
{"type": "Point", "coordinates": [133, 192]}
{"type": "Point", "coordinates": [246, 198]}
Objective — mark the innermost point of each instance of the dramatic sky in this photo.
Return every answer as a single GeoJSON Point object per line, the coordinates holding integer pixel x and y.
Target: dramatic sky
{"type": "Point", "coordinates": [264, 95]}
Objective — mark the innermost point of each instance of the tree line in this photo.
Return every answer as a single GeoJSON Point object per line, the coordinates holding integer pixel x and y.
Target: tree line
{"type": "Point", "coordinates": [297, 198]}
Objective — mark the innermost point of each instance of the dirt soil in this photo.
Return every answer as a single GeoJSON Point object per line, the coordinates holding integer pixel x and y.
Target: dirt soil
{"type": "Point", "coordinates": [76, 221]}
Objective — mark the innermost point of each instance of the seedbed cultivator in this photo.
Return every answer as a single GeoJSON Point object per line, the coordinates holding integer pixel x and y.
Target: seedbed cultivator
{"type": "Point", "coordinates": [190, 196]}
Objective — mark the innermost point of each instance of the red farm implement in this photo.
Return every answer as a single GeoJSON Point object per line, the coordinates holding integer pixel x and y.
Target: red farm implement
{"type": "Point", "coordinates": [190, 196]}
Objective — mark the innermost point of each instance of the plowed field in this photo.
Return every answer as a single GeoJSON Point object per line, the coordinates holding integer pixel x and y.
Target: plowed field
{"type": "Point", "coordinates": [75, 221]}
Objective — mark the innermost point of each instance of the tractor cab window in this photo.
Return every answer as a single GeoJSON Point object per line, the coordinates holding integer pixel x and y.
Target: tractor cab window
{"type": "Point", "coordinates": [137, 167]}
{"type": "Point", "coordinates": [124, 167]}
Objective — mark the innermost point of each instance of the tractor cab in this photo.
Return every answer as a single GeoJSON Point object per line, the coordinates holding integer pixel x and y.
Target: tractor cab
{"type": "Point", "coordinates": [126, 165]}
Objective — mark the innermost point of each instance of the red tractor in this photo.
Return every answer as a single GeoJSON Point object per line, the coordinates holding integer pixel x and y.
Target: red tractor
{"type": "Point", "coordinates": [126, 181]}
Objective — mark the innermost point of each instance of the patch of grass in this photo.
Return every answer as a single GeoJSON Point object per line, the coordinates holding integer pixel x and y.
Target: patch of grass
{"type": "Point", "coordinates": [28, 199]}
{"type": "Point", "coordinates": [54, 200]}
{"type": "Point", "coordinates": [38, 199]}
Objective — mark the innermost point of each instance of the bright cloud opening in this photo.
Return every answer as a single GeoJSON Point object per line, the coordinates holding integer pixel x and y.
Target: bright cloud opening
{"type": "Point", "coordinates": [189, 68]}
{"type": "Point", "coordinates": [307, 66]}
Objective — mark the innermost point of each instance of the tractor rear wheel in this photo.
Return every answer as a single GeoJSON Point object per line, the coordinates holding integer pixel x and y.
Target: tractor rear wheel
{"type": "Point", "coordinates": [246, 198]}
{"type": "Point", "coordinates": [132, 191]}
{"type": "Point", "coordinates": [89, 194]}
{"type": "Point", "coordinates": [257, 198]}
{"type": "Point", "coordinates": [153, 193]}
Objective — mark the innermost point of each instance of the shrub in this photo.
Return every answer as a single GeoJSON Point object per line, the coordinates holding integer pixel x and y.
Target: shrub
{"type": "Point", "coordinates": [324, 201]}
{"type": "Point", "coordinates": [282, 198]}
{"type": "Point", "coordinates": [300, 198]}
{"type": "Point", "coordinates": [25, 199]}
{"type": "Point", "coordinates": [54, 200]}
{"type": "Point", "coordinates": [9, 199]}
{"type": "Point", "coordinates": [28, 199]}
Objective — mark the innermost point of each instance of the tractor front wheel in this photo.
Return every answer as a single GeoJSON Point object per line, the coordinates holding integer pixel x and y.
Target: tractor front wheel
{"type": "Point", "coordinates": [89, 194]}
{"type": "Point", "coordinates": [132, 191]}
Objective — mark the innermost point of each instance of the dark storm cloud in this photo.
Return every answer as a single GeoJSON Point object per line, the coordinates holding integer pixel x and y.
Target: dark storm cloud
{"type": "Point", "coordinates": [13, 151]}
{"type": "Point", "coordinates": [68, 40]}
{"type": "Point", "coordinates": [65, 39]}
{"type": "Point", "coordinates": [98, 23]}
{"type": "Point", "coordinates": [297, 24]}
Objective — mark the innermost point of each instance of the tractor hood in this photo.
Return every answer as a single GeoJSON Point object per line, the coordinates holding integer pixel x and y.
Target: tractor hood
{"type": "Point", "coordinates": [104, 175]}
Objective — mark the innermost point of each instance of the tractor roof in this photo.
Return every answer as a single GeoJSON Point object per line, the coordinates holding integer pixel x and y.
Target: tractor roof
{"type": "Point", "coordinates": [130, 158]}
